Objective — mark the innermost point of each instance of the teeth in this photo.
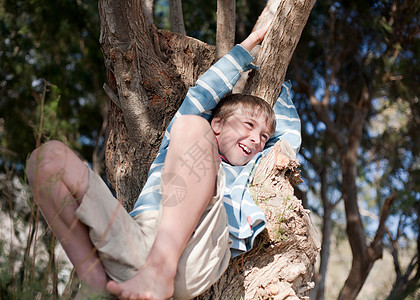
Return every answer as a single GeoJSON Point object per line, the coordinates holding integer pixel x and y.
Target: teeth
{"type": "Point", "coordinates": [245, 148]}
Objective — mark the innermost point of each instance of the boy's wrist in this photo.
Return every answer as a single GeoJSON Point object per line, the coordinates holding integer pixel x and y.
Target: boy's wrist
{"type": "Point", "coordinates": [249, 43]}
{"type": "Point", "coordinates": [243, 57]}
{"type": "Point", "coordinates": [244, 50]}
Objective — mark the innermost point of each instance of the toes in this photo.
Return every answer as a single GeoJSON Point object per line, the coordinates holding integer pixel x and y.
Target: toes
{"type": "Point", "coordinates": [113, 288]}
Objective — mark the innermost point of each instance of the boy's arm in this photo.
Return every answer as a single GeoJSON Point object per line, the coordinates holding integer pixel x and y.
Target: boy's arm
{"type": "Point", "coordinates": [220, 78]}
{"type": "Point", "coordinates": [212, 86]}
{"type": "Point", "coordinates": [216, 82]}
{"type": "Point", "coordinates": [288, 126]}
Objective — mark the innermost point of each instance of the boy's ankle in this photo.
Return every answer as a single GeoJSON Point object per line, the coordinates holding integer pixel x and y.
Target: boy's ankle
{"type": "Point", "coordinates": [162, 264]}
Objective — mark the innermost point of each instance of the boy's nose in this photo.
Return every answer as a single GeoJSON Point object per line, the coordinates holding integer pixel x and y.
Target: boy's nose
{"type": "Point", "coordinates": [255, 138]}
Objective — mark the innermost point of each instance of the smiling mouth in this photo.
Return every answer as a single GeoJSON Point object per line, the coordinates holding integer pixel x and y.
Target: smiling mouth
{"type": "Point", "coordinates": [245, 149]}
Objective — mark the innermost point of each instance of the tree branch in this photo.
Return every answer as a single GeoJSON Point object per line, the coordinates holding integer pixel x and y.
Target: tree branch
{"type": "Point", "coordinates": [176, 17]}
{"type": "Point", "coordinates": [144, 84]}
{"type": "Point", "coordinates": [394, 253]}
{"type": "Point", "coordinates": [321, 111]}
{"type": "Point", "coordinates": [376, 247]}
{"type": "Point", "coordinates": [267, 14]}
{"type": "Point", "coordinates": [358, 121]}
{"type": "Point", "coordinates": [98, 155]}
{"type": "Point", "coordinates": [277, 49]}
{"type": "Point", "coordinates": [148, 10]}
{"type": "Point", "coordinates": [225, 34]}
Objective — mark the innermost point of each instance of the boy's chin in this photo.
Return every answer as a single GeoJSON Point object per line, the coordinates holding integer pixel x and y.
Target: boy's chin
{"type": "Point", "coordinates": [239, 162]}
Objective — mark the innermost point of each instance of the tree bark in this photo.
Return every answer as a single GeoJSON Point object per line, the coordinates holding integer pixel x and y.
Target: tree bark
{"type": "Point", "coordinates": [285, 30]}
{"type": "Point", "coordinates": [326, 237]}
{"type": "Point", "coordinates": [98, 155]}
{"type": "Point", "coordinates": [176, 17]}
{"type": "Point", "coordinates": [148, 10]}
{"type": "Point", "coordinates": [225, 33]}
{"type": "Point", "coordinates": [267, 14]}
{"type": "Point", "coordinates": [364, 255]}
{"type": "Point", "coordinates": [407, 282]}
{"type": "Point", "coordinates": [149, 72]}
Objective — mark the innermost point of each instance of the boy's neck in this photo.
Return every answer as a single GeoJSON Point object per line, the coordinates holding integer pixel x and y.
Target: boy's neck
{"type": "Point", "coordinates": [221, 156]}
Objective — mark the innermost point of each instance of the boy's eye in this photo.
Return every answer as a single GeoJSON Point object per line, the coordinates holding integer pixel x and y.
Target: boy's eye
{"type": "Point", "coordinates": [265, 138]}
{"type": "Point", "coordinates": [249, 124]}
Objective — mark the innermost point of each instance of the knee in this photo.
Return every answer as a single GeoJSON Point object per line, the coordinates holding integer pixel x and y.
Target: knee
{"type": "Point", "coordinates": [46, 160]}
{"type": "Point", "coordinates": [191, 127]}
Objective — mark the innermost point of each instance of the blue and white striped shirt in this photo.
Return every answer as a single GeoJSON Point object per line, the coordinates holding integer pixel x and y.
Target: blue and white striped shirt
{"type": "Point", "coordinates": [245, 218]}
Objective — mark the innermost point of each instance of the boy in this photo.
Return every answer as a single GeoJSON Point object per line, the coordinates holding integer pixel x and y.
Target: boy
{"type": "Point", "coordinates": [193, 208]}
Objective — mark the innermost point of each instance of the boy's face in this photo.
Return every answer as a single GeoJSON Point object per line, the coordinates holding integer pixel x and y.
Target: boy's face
{"type": "Point", "coordinates": [240, 136]}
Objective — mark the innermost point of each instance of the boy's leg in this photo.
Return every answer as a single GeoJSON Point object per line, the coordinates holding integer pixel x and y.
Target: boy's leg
{"type": "Point", "coordinates": [59, 180]}
{"type": "Point", "coordinates": [155, 279]}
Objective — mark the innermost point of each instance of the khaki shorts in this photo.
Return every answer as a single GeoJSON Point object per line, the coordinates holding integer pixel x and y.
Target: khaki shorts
{"type": "Point", "coordinates": [124, 242]}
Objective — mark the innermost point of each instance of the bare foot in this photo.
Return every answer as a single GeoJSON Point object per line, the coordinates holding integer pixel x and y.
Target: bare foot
{"type": "Point", "coordinates": [148, 283]}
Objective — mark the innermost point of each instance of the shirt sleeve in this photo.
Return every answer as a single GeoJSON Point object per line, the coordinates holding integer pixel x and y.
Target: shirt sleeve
{"type": "Point", "coordinates": [212, 86]}
{"type": "Point", "coordinates": [288, 125]}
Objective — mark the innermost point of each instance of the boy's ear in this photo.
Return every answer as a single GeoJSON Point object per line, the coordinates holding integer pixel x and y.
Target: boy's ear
{"type": "Point", "coordinates": [216, 125]}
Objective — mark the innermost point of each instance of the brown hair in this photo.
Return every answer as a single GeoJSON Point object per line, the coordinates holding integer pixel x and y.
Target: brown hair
{"type": "Point", "coordinates": [252, 105]}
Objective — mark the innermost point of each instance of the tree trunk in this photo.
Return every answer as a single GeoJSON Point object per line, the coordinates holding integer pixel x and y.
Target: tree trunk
{"type": "Point", "coordinates": [149, 72]}
{"type": "Point", "coordinates": [176, 16]}
{"type": "Point", "coordinates": [148, 10]}
{"type": "Point", "coordinates": [407, 282]}
{"type": "Point", "coordinates": [364, 255]}
{"type": "Point", "coordinates": [277, 48]}
{"type": "Point", "coordinates": [348, 145]}
{"type": "Point", "coordinates": [361, 263]}
{"type": "Point", "coordinates": [326, 237]}
{"type": "Point", "coordinates": [226, 19]}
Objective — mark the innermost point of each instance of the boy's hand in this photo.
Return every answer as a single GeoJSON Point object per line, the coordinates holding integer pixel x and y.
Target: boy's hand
{"type": "Point", "coordinates": [255, 37]}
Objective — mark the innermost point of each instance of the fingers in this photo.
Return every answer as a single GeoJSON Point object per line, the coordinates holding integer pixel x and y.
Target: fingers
{"type": "Point", "coordinates": [261, 32]}
{"type": "Point", "coordinates": [256, 37]}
